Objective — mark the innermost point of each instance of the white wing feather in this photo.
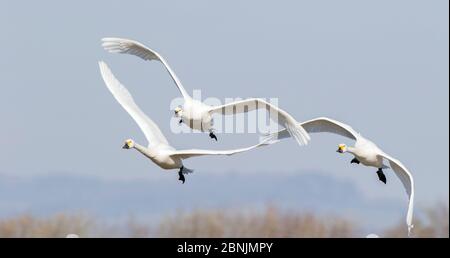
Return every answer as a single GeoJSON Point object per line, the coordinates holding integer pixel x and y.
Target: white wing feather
{"type": "Point", "coordinates": [408, 182]}
{"type": "Point", "coordinates": [242, 106]}
{"type": "Point", "coordinates": [320, 125]}
{"type": "Point", "coordinates": [282, 117]}
{"type": "Point", "coordinates": [123, 96]}
{"type": "Point", "coordinates": [185, 154]}
{"type": "Point", "coordinates": [327, 125]}
{"type": "Point", "coordinates": [127, 46]}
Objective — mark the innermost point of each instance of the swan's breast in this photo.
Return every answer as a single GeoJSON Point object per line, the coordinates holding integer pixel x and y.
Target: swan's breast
{"type": "Point", "coordinates": [202, 124]}
{"type": "Point", "coordinates": [369, 158]}
{"type": "Point", "coordinates": [367, 153]}
{"type": "Point", "coordinates": [167, 162]}
{"type": "Point", "coordinates": [196, 115]}
{"type": "Point", "coordinates": [160, 156]}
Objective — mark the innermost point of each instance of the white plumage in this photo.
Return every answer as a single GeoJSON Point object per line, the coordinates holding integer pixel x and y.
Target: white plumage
{"type": "Point", "coordinates": [158, 150]}
{"type": "Point", "coordinates": [365, 151]}
{"type": "Point", "coordinates": [197, 115]}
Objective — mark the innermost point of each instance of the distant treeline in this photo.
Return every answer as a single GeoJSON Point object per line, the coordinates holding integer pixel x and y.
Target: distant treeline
{"type": "Point", "coordinates": [271, 223]}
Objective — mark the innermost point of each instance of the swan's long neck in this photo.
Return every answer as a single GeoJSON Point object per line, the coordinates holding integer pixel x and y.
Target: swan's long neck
{"type": "Point", "coordinates": [143, 150]}
{"type": "Point", "coordinates": [351, 150]}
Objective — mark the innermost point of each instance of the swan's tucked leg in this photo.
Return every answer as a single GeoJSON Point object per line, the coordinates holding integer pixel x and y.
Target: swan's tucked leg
{"type": "Point", "coordinates": [355, 161]}
{"type": "Point", "coordinates": [212, 135]}
{"type": "Point", "coordinates": [180, 173]}
{"type": "Point", "coordinates": [180, 122]}
{"type": "Point", "coordinates": [381, 176]}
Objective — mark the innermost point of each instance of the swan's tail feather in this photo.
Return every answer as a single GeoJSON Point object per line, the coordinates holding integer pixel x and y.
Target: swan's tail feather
{"type": "Point", "coordinates": [299, 134]}
{"type": "Point", "coordinates": [187, 171]}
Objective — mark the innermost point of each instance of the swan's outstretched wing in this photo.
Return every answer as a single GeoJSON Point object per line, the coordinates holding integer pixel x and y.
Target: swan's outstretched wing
{"type": "Point", "coordinates": [292, 127]}
{"type": "Point", "coordinates": [148, 127]}
{"type": "Point", "coordinates": [320, 125]}
{"type": "Point", "coordinates": [242, 106]}
{"type": "Point", "coordinates": [127, 46]}
{"type": "Point", "coordinates": [408, 182]}
{"type": "Point", "coordinates": [327, 125]}
{"type": "Point", "coordinates": [185, 154]}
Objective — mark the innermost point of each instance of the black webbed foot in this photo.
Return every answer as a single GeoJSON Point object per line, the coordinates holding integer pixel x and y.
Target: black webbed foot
{"type": "Point", "coordinates": [355, 161]}
{"type": "Point", "coordinates": [213, 136]}
{"type": "Point", "coordinates": [182, 178]}
{"type": "Point", "coordinates": [180, 122]}
{"type": "Point", "coordinates": [381, 176]}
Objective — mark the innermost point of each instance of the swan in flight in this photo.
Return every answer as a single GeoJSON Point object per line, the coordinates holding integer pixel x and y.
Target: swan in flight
{"type": "Point", "coordinates": [197, 115]}
{"type": "Point", "coordinates": [365, 152]}
{"type": "Point", "coordinates": [158, 150]}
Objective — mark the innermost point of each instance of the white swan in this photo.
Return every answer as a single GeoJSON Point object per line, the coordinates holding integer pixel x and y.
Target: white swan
{"type": "Point", "coordinates": [365, 152]}
{"type": "Point", "coordinates": [158, 150]}
{"type": "Point", "coordinates": [194, 113]}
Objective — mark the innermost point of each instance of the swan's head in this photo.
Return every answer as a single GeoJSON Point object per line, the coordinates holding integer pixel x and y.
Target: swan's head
{"type": "Point", "coordinates": [129, 144]}
{"type": "Point", "coordinates": [178, 112]}
{"type": "Point", "coordinates": [342, 148]}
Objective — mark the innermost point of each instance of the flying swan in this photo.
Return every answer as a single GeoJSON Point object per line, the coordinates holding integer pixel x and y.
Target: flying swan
{"type": "Point", "coordinates": [158, 150]}
{"type": "Point", "coordinates": [197, 115]}
{"type": "Point", "coordinates": [365, 152]}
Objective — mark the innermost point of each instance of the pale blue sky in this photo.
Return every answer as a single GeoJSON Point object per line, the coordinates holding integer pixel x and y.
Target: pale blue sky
{"type": "Point", "coordinates": [380, 66]}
